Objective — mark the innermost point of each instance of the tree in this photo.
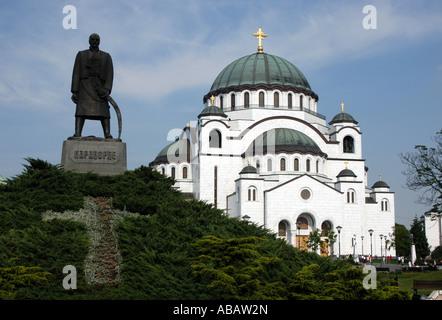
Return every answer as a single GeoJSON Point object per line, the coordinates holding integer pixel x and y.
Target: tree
{"type": "Point", "coordinates": [401, 240]}
{"type": "Point", "coordinates": [234, 267]}
{"type": "Point", "coordinates": [14, 277]}
{"type": "Point", "coordinates": [424, 172]}
{"type": "Point", "coordinates": [419, 239]}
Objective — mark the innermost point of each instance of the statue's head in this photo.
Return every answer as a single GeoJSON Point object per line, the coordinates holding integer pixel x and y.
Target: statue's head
{"type": "Point", "coordinates": [94, 40]}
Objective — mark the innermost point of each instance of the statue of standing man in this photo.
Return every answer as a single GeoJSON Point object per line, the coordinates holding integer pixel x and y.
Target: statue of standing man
{"type": "Point", "coordinates": [92, 79]}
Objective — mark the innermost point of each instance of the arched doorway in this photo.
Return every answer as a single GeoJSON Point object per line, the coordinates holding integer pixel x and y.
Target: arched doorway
{"type": "Point", "coordinates": [304, 225]}
{"type": "Point", "coordinates": [326, 227]}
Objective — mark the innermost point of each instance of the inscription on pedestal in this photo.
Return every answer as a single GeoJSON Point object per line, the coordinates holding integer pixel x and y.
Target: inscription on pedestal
{"type": "Point", "coordinates": [101, 156]}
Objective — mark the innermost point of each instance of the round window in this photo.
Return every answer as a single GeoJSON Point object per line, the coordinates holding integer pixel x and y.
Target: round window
{"type": "Point", "coordinates": [305, 194]}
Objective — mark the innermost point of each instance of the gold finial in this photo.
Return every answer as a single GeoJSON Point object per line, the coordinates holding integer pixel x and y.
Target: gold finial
{"type": "Point", "coordinates": [380, 179]}
{"type": "Point", "coordinates": [213, 99]}
{"type": "Point", "coordinates": [346, 162]}
{"type": "Point", "coordinates": [188, 124]}
{"type": "Point", "coordinates": [342, 106]}
{"type": "Point", "coordinates": [260, 35]}
{"type": "Point", "coordinates": [249, 161]}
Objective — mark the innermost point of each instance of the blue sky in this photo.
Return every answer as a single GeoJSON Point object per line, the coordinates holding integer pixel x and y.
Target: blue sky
{"type": "Point", "coordinates": [167, 53]}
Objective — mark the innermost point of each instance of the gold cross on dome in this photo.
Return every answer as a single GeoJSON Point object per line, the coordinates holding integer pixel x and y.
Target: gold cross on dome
{"type": "Point", "coordinates": [346, 163]}
{"type": "Point", "coordinates": [342, 106]}
{"type": "Point", "coordinates": [260, 35]}
{"type": "Point", "coordinates": [213, 99]}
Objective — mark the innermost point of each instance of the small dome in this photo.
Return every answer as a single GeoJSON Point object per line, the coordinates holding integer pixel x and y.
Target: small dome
{"type": "Point", "coordinates": [346, 173]}
{"type": "Point", "coordinates": [283, 140]}
{"type": "Point", "coordinates": [260, 69]}
{"type": "Point", "coordinates": [212, 111]}
{"type": "Point", "coordinates": [343, 117]}
{"type": "Point", "coordinates": [380, 184]}
{"type": "Point", "coordinates": [248, 169]}
{"type": "Point", "coordinates": [177, 151]}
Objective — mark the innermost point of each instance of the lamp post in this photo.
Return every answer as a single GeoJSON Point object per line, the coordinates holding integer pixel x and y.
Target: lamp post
{"type": "Point", "coordinates": [354, 246]}
{"type": "Point", "coordinates": [298, 224]}
{"type": "Point", "coordinates": [385, 251]}
{"type": "Point", "coordinates": [380, 236]}
{"type": "Point", "coordinates": [362, 244]}
{"type": "Point", "coordinates": [339, 228]}
{"type": "Point", "coordinates": [246, 218]}
{"type": "Point", "coordinates": [371, 245]}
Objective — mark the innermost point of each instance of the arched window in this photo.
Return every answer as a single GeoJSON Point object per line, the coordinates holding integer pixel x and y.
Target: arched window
{"type": "Point", "coordinates": [221, 102]}
{"type": "Point", "coordinates": [300, 101]}
{"type": "Point", "coordinates": [215, 139]}
{"type": "Point", "coordinates": [349, 145]}
{"type": "Point", "coordinates": [307, 165]}
{"type": "Point", "coordinates": [269, 164]}
{"type": "Point", "coordinates": [163, 170]}
{"type": "Point", "coordinates": [296, 165]}
{"type": "Point", "coordinates": [261, 99]}
{"type": "Point", "coordinates": [303, 221]}
{"type": "Point", "coordinates": [282, 164]}
{"type": "Point", "coordinates": [276, 100]}
{"type": "Point", "coordinates": [325, 226]}
{"type": "Point", "coordinates": [251, 194]}
{"type": "Point", "coordinates": [232, 101]}
{"type": "Point", "coordinates": [385, 205]}
{"type": "Point", "coordinates": [246, 100]}
{"type": "Point", "coordinates": [290, 101]}
{"type": "Point", "coordinates": [351, 196]}
{"type": "Point", "coordinates": [282, 229]}
{"type": "Point", "coordinates": [184, 172]}
{"type": "Point", "coordinates": [173, 172]}
{"type": "Point", "coordinates": [258, 166]}
{"type": "Point", "coordinates": [317, 166]}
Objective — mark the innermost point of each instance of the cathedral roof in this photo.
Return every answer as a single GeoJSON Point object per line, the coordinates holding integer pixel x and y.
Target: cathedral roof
{"type": "Point", "coordinates": [260, 70]}
{"type": "Point", "coordinates": [346, 173]}
{"type": "Point", "coordinates": [177, 151]}
{"type": "Point", "coordinates": [248, 169]}
{"type": "Point", "coordinates": [283, 140]}
{"type": "Point", "coordinates": [343, 117]}
{"type": "Point", "coordinates": [380, 184]}
{"type": "Point", "coordinates": [212, 111]}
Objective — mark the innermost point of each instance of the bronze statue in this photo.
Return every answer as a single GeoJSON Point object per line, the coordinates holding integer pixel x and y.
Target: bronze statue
{"type": "Point", "coordinates": [92, 79]}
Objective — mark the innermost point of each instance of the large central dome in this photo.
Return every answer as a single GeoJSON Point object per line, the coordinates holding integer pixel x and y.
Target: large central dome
{"type": "Point", "coordinates": [260, 70]}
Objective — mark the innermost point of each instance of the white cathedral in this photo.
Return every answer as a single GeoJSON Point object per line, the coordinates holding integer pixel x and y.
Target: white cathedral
{"type": "Point", "coordinates": [260, 151]}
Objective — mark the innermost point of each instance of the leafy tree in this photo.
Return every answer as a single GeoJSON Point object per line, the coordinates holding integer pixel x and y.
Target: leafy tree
{"type": "Point", "coordinates": [233, 267]}
{"type": "Point", "coordinates": [419, 239]}
{"type": "Point", "coordinates": [401, 240]}
{"type": "Point", "coordinates": [15, 276]}
{"type": "Point", "coordinates": [437, 253]}
{"type": "Point", "coordinates": [311, 283]}
{"type": "Point", "coordinates": [424, 172]}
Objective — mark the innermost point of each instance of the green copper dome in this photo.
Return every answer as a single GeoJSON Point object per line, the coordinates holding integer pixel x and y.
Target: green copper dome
{"type": "Point", "coordinates": [283, 140]}
{"type": "Point", "coordinates": [176, 152]}
{"type": "Point", "coordinates": [343, 117]}
{"type": "Point", "coordinates": [260, 69]}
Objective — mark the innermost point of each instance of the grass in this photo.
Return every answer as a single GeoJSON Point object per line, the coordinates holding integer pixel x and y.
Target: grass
{"type": "Point", "coordinates": [405, 280]}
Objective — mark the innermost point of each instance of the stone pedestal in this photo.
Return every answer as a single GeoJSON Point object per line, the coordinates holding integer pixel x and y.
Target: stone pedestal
{"type": "Point", "coordinates": [91, 154]}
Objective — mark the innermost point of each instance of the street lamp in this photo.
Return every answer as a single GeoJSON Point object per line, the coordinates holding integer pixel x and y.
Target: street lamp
{"type": "Point", "coordinates": [362, 243]}
{"type": "Point", "coordinates": [380, 236]}
{"type": "Point", "coordinates": [246, 218]}
{"type": "Point", "coordinates": [298, 224]}
{"type": "Point", "coordinates": [339, 228]}
{"type": "Point", "coordinates": [371, 245]}
{"type": "Point", "coordinates": [385, 241]}
{"type": "Point", "coordinates": [354, 246]}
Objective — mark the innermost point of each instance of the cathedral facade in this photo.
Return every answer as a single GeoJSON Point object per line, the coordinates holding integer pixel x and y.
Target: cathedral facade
{"type": "Point", "coordinates": [260, 151]}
